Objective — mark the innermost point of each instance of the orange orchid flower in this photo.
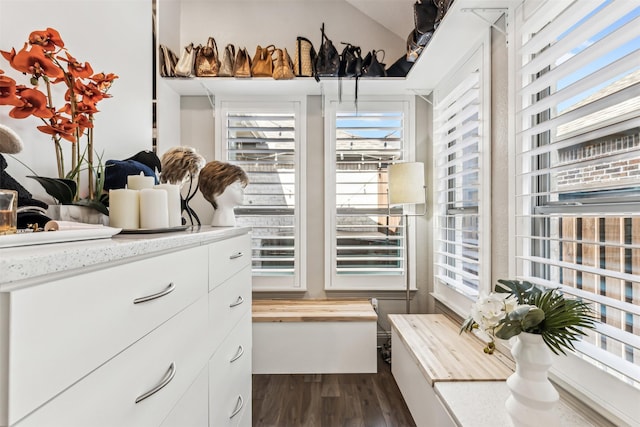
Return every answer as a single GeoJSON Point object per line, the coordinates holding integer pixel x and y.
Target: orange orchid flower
{"type": "Point", "coordinates": [60, 126]}
{"type": "Point", "coordinates": [8, 91]}
{"type": "Point", "coordinates": [34, 103]}
{"type": "Point", "coordinates": [83, 108]}
{"type": "Point", "coordinates": [48, 39]}
{"type": "Point", "coordinates": [83, 122]}
{"type": "Point", "coordinates": [76, 69]}
{"type": "Point", "coordinates": [89, 93]}
{"type": "Point", "coordinates": [34, 61]}
{"type": "Point", "coordinates": [104, 80]}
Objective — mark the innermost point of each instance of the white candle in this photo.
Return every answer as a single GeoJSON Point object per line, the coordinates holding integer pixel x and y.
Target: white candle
{"type": "Point", "coordinates": [139, 182]}
{"type": "Point", "coordinates": [175, 203]}
{"type": "Point", "coordinates": [124, 211]}
{"type": "Point", "coordinates": [154, 209]}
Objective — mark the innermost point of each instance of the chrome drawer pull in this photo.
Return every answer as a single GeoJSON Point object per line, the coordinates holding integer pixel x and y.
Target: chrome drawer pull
{"type": "Point", "coordinates": [160, 294]}
{"type": "Point", "coordinates": [239, 301]}
{"type": "Point", "coordinates": [171, 372]}
{"type": "Point", "coordinates": [236, 255]}
{"type": "Point", "coordinates": [238, 355]}
{"type": "Point", "coordinates": [239, 405]}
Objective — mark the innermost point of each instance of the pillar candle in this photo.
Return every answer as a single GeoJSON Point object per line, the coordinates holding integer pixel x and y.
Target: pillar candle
{"type": "Point", "coordinates": [154, 209]}
{"type": "Point", "coordinates": [175, 203]}
{"type": "Point", "coordinates": [138, 182]}
{"type": "Point", "coordinates": [124, 211]}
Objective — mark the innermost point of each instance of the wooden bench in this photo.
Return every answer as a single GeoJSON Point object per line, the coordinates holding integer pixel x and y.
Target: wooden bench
{"type": "Point", "coordinates": [314, 336]}
{"type": "Point", "coordinates": [427, 349]}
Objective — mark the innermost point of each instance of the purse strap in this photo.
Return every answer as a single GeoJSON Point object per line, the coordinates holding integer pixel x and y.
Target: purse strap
{"type": "Point", "coordinates": [212, 44]}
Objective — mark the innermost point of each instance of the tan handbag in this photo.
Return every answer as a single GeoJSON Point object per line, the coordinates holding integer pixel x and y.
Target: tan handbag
{"type": "Point", "coordinates": [283, 68]}
{"type": "Point", "coordinates": [242, 64]}
{"type": "Point", "coordinates": [226, 66]}
{"type": "Point", "coordinates": [262, 64]}
{"type": "Point", "coordinates": [168, 61]}
{"type": "Point", "coordinates": [184, 67]}
{"type": "Point", "coordinates": [207, 62]}
{"type": "Point", "coordinates": [305, 57]}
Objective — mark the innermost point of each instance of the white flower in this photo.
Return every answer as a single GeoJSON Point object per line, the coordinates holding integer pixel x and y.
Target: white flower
{"type": "Point", "coordinates": [490, 309]}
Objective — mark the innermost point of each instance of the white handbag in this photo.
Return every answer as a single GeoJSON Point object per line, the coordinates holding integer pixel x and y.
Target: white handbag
{"type": "Point", "coordinates": [184, 67]}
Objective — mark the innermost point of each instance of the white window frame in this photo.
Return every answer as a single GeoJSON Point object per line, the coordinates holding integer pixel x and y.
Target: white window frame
{"type": "Point", "coordinates": [369, 282]}
{"type": "Point", "coordinates": [615, 399]}
{"type": "Point", "coordinates": [479, 57]}
{"type": "Point", "coordinates": [256, 104]}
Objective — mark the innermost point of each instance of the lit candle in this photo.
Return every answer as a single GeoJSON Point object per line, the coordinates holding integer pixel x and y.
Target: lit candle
{"type": "Point", "coordinates": [175, 203]}
{"type": "Point", "coordinates": [139, 182]}
{"type": "Point", "coordinates": [124, 211]}
{"type": "Point", "coordinates": [154, 208]}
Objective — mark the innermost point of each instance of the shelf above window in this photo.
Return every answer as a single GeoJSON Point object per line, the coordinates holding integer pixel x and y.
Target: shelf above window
{"type": "Point", "coordinates": [463, 24]}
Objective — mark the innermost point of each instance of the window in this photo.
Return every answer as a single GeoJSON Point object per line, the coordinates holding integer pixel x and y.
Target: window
{"type": "Point", "coordinates": [462, 162]}
{"type": "Point", "coordinates": [578, 170]}
{"type": "Point", "coordinates": [265, 139]}
{"type": "Point", "coordinates": [366, 240]}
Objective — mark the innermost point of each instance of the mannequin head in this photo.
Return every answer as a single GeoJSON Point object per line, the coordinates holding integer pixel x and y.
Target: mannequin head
{"type": "Point", "coordinates": [218, 177]}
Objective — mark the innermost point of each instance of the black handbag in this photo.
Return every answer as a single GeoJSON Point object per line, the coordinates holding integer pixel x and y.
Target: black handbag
{"type": "Point", "coordinates": [371, 67]}
{"type": "Point", "coordinates": [425, 14]}
{"type": "Point", "coordinates": [328, 59]}
{"type": "Point", "coordinates": [350, 61]}
{"type": "Point", "coordinates": [400, 68]}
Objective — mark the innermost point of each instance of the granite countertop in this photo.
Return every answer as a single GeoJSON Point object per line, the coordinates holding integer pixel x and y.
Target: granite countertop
{"type": "Point", "coordinates": [21, 266]}
{"type": "Point", "coordinates": [481, 403]}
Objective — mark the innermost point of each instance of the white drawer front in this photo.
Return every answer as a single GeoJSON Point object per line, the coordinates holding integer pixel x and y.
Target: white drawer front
{"type": "Point", "coordinates": [193, 408]}
{"type": "Point", "coordinates": [227, 304]}
{"type": "Point", "coordinates": [227, 258]}
{"type": "Point", "coordinates": [63, 330]}
{"type": "Point", "coordinates": [108, 396]}
{"type": "Point", "coordinates": [230, 378]}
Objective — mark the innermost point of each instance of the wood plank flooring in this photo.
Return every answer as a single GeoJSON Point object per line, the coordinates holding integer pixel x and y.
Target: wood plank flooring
{"type": "Point", "coordinates": [329, 400]}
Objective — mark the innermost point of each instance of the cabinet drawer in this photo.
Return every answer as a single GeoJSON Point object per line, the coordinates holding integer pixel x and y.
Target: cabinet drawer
{"type": "Point", "coordinates": [230, 378]}
{"type": "Point", "coordinates": [193, 408]}
{"type": "Point", "coordinates": [64, 329]}
{"type": "Point", "coordinates": [107, 397]}
{"type": "Point", "coordinates": [227, 304]}
{"type": "Point", "coordinates": [227, 258]}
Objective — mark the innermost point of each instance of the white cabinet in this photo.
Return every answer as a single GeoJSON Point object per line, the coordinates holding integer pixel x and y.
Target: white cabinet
{"type": "Point", "coordinates": [140, 343]}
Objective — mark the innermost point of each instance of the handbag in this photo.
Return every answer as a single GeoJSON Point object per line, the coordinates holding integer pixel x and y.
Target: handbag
{"type": "Point", "coordinates": [400, 68]}
{"type": "Point", "coordinates": [168, 61]}
{"type": "Point", "coordinates": [262, 64]}
{"type": "Point", "coordinates": [371, 67]}
{"type": "Point", "coordinates": [415, 46]}
{"type": "Point", "coordinates": [442, 6]}
{"type": "Point", "coordinates": [283, 68]}
{"type": "Point", "coordinates": [304, 58]}
{"type": "Point", "coordinates": [207, 62]}
{"type": "Point", "coordinates": [425, 14]}
{"type": "Point", "coordinates": [350, 61]}
{"type": "Point", "coordinates": [184, 67]}
{"type": "Point", "coordinates": [228, 59]}
{"type": "Point", "coordinates": [242, 64]}
{"type": "Point", "coordinates": [328, 59]}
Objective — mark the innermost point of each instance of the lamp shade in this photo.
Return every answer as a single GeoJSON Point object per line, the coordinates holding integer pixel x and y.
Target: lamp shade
{"type": "Point", "coordinates": [406, 183]}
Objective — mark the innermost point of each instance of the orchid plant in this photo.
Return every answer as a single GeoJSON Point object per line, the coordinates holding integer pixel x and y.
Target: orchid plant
{"type": "Point", "coordinates": [517, 307]}
{"type": "Point", "coordinates": [46, 60]}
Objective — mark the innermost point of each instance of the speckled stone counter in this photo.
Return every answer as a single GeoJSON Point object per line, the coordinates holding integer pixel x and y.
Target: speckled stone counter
{"type": "Point", "coordinates": [21, 266]}
{"type": "Point", "coordinates": [479, 404]}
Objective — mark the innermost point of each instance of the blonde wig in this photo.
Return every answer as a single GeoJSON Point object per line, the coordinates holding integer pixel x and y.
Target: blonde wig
{"type": "Point", "coordinates": [216, 176]}
{"type": "Point", "coordinates": [180, 163]}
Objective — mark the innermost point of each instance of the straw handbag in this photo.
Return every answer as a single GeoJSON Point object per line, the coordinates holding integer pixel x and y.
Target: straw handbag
{"type": "Point", "coordinates": [304, 58]}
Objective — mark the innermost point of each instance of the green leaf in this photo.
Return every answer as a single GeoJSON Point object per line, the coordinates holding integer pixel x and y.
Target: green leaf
{"type": "Point", "coordinates": [533, 318]}
{"type": "Point", "coordinates": [61, 189]}
{"type": "Point", "coordinates": [508, 329]}
{"type": "Point", "coordinates": [93, 204]}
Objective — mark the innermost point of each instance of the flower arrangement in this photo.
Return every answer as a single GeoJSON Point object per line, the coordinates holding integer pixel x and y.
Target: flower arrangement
{"type": "Point", "coordinates": [46, 60]}
{"type": "Point", "coordinates": [517, 307]}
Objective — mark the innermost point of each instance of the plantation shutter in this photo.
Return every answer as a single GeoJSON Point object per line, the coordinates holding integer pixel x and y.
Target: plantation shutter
{"type": "Point", "coordinates": [264, 145]}
{"type": "Point", "coordinates": [578, 182]}
{"type": "Point", "coordinates": [459, 232]}
{"type": "Point", "coordinates": [369, 243]}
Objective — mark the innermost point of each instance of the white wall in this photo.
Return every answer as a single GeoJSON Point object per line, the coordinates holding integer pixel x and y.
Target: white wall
{"type": "Point", "coordinates": [113, 36]}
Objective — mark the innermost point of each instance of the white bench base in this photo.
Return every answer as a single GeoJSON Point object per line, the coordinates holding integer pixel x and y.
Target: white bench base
{"type": "Point", "coordinates": [314, 337]}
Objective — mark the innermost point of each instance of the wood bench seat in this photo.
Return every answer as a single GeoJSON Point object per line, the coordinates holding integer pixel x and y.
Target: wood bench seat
{"type": "Point", "coordinates": [314, 336]}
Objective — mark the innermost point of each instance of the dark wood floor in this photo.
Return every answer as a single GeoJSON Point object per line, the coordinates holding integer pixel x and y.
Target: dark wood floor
{"type": "Point", "coordinates": [329, 400]}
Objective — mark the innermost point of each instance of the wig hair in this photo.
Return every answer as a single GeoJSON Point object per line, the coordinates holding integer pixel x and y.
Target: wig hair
{"type": "Point", "coordinates": [10, 142]}
{"type": "Point", "coordinates": [216, 176]}
{"type": "Point", "coordinates": [180, 163]}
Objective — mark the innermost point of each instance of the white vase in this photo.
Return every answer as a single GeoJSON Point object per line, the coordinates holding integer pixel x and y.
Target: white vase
{"type": "Point", "coordinates": [533, 397]}
{"type": "Point", "coordinates": [77, 213]}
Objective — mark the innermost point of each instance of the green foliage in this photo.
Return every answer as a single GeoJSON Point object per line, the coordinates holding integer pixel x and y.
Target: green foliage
{"type": "Point", "coordinates": [61, 189]}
